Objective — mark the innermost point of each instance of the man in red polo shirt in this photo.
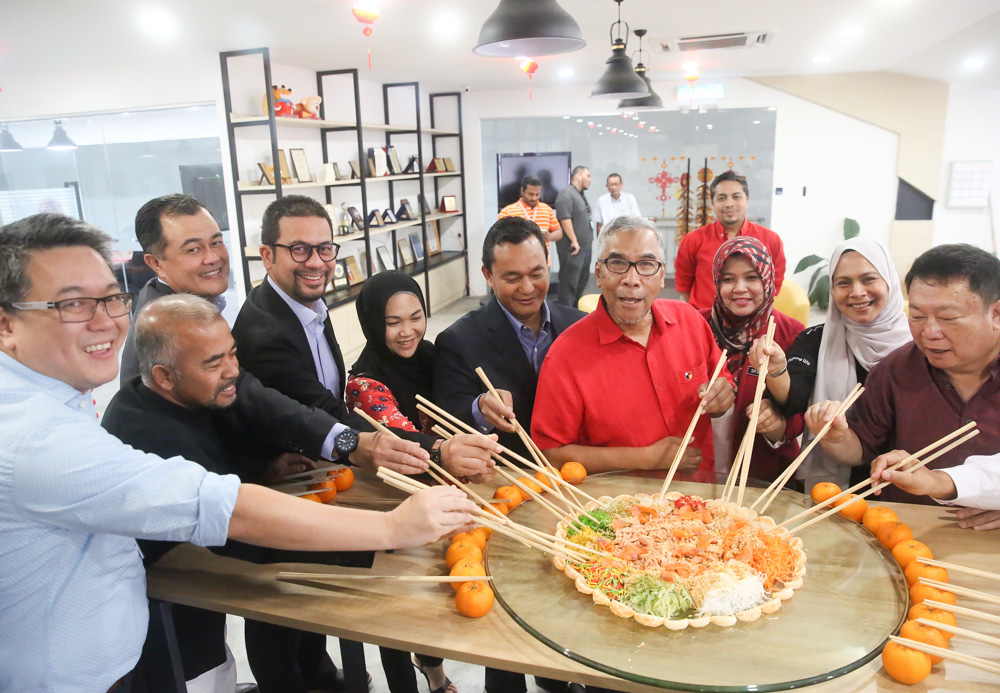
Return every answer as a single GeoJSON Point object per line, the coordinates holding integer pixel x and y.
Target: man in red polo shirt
{"type": "Point", "coordinates": [618, 389]}
{"type": "Point", "coordinates": [693, 266]}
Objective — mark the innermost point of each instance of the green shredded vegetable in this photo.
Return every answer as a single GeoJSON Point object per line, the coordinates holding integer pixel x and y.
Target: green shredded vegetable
{"type": "Point", "coordinates": [602, 526]}
{"type": "Point", "coordinates": [650, 595]}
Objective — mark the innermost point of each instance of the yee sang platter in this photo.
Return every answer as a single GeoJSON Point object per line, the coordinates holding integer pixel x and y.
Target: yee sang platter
{"type": "Point", "coordinates": [680, 561]}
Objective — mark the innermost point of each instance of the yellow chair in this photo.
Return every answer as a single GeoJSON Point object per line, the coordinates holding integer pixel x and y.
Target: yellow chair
{"type": "Point", "coordinates": [588, 302]}
{"type": "Point", "coordinates": [792, 301]}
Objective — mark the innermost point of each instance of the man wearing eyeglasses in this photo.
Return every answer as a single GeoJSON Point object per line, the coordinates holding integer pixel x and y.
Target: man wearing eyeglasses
{"type": "Point", "coordinates": [619, 388]}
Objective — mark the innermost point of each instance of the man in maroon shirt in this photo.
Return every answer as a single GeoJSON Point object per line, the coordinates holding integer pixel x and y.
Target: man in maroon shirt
{"type": "Point", "coordinates": [618, 389]}
{"type": "Point", "coordinates": [693, 266]}
{"type": "Point", "coordinates": [949, 375]}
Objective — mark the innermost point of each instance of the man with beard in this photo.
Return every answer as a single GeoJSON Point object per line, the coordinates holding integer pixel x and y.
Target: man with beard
{"type": "Point", "coordinates": [693, 266]}
{"type": "Point", "coordinates": [573, 212]}
{"type": "Point", "coordinates": [531, 207]}
{"type": "Point", "coordinates": [618, 389]}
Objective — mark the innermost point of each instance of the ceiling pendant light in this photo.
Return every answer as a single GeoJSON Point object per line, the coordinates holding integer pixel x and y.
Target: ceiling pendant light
{"type": "Point", "coordinates": [60, 140]}
{"type": "Point", "coordinates": [619, 80]}
{"type": "Point", "coordinates": [7, 141]}
{"type": "Point", "coordinates": [528, 27]}
{"type": "Point", "coordinates": [643, 103]}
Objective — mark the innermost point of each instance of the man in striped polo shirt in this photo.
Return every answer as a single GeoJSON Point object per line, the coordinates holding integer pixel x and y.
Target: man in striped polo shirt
{"type": "Point", "coordinates": [531, 207]}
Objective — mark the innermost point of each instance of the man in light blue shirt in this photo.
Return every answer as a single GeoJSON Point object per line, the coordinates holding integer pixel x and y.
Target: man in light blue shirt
{"type": "Point", "coordinates": [72, 497]}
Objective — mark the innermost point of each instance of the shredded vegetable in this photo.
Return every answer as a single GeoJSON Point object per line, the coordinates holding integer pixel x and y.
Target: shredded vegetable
{"type": "Point", "coordinates": [775, 559]}
{"type": "Point", "coordinates": [607, 576]}
{"type": "Point", "coordinates": [602, 526]}
{"type": "Point", "coordinates": [649, 595]}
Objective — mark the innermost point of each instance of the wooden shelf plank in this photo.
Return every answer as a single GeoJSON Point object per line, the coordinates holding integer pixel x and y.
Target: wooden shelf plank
{"type": "Point", "coordinates": [240, 119]}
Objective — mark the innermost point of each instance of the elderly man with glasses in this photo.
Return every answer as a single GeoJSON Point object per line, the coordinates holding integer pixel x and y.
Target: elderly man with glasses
{"type": "Point", "coordinates": [618, 389]}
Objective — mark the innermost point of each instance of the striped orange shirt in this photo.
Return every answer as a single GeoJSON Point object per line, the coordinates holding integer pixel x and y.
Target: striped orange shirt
{"type": "Point", "coordinates": [541, 214]}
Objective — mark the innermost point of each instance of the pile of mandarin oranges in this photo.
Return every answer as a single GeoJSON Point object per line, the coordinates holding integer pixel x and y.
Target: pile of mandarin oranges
{"type": "Point", "coordinates": [465, 554]}
{"type": "Point", "coordinates": [326, 491]}
{"type": "Point", "coordinates": [902, 663]}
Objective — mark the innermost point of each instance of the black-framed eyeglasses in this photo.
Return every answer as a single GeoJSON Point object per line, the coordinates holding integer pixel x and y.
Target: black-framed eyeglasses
{"type": "Point", "coordinates": [82, 309]}
{"type": "Point", "coordinates": [620, 265]}
{"type": "Point", "coordinates": [301, 252]}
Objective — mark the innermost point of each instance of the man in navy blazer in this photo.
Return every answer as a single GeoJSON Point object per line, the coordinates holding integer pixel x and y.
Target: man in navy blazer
{"type": "Point", "coordinates": [508, 337]}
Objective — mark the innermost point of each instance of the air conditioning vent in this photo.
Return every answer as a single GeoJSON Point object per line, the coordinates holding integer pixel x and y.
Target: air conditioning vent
{"type": "Point", "coordinates": [748, 39]}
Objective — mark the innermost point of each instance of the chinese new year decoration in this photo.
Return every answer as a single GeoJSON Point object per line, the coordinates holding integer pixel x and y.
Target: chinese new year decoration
{"type": "Point", "coordinates": [528, 66]}
{"type": "Point", "coordinates": [366, 13]}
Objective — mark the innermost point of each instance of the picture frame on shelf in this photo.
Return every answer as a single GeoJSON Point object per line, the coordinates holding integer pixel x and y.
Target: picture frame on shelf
{"type": "Point", "coordinates": [378, 159]}
{"type": "Point", "coordinates": [326, 174]}
{"type": "Point", "coordinates": [300, 165]}
{"type": "Point", "coordinates": [433, 239]}
{"type": "Point", "coordinates": [393, 158]}
{"type": "Point", "coordinates": [403, 213]}
{"type": "Point", "coordinates": [424, 207]}
{"type": "Point", "coordinates": [405, 252]}
{"type": "Point", "coordinates": [336, 172]}
{"type": "Point", "coordinates": [375, 218]}
{"type": "Point", "coordinates": [340, 280]}
{"type": "Point", "coordinates": [362, 256]}
{"type": "Point", "coordinates": [418, 245]}
{"type": "Point", "coordinates": [449, 203]}
{"type": "Point", "coordinates": [286, 173]}
{"type": "Point", "coordinates": [449, 165]}
{"type": "Point", "coordinates": [356, 218]}
{"type": "Point", "coordinates": [436, 166]}
{"type": "Point", "coordinates": [413, 165]}
{"type": "Point", "coordinates": [355, 169]}
{"type": "Point", "coordinates": [267, 173]}
{"type": "Point", "coordinates": [385, 258]}
{"type": "Point", "coordinates": [388, 217]}
{"type": "Point", "coordinates": [355, 275]}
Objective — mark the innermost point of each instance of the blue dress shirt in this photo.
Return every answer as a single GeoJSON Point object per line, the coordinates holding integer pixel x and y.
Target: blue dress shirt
{"type": "Point", "coordinates": [535, 348]}
{"type": "Point", "coordinates": [72, 497]}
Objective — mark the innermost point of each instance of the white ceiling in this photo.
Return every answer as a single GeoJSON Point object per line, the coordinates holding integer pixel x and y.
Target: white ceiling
{"type": "Point", "coordinates": [431, 40]}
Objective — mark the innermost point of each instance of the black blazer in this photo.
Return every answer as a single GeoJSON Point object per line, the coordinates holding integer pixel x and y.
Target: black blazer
{"type": "Point", "coordinates": [485, 338]}
{"type": "Point", "coordinates": [274, 347]}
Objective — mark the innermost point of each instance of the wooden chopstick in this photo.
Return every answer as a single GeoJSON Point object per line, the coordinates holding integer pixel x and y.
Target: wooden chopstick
{"type": "Point", "coordinates": [866, 482]}
{"type": "Point", "coordinates": [877, 487]}
{"type": "Point", "coordinates": [964, 632]}
{"type": "Point", "coordinates": [397, 578]}
{"type": "Point", "coordinates": [959, 568]}
{"type": "Point", "coordinates": [686, 440]}
{"type": "Point", "coordinates": [775, 487]}
{"type": "Point", "coordinates": [755, 414]}
{"type": "Point", "coordinates": [943, 653]}
{"type": "Point", "coordinates": [963, 611]}
{"type": "Point", "coordinates": [316, 472]}
{"type": "Point", "coordinates": [960, 591]}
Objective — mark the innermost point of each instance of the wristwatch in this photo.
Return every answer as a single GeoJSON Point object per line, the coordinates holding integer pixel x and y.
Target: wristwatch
{"type": "Point", "coordinates": [346, 442]}
{"type": "Point", "coordinates": [435, 454]}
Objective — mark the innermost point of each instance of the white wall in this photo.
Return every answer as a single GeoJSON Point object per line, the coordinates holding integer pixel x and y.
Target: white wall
{"type": "Point", "coordinates": [846, 165]}
{"type": "Point", "coordinates": [971, 134]}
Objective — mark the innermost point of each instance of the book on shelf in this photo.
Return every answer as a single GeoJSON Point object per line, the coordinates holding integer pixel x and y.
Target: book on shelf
{"type": "Point", "coordinates": [436, 166]}
{"type": "Point", "coordinates": [376, 155]}
{"type": "Point", "coordinates": [393, 161]}
{"type": "Point", "coordinates": [449, 165]}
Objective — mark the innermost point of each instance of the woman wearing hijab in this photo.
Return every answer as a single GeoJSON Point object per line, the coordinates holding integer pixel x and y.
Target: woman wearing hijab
{"type": "Point", "coordinates": [395, 366]}
{"type": "Point", "coordinates": [864, 324]}
{"type": "Point", "coordinates": [744, 301]}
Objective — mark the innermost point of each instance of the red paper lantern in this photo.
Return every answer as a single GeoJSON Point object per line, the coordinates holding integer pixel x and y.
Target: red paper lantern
{"type": "Point", "coordinates": [366, 13]}
{"type": "Point", "coordinates": [528, 66]}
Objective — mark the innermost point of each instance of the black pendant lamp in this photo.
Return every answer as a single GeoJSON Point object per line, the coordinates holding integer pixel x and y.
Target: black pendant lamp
{"type": "Point", "coordinates": [528, 27]}
{"type": "Point", "coordinates": [60, 140]}
{"type": "Point", "coordinates": [643, 103]}
{"type": "Point", "coordinates": [619, 80]}
{"type": "Point", "coordinates": [7, 141]}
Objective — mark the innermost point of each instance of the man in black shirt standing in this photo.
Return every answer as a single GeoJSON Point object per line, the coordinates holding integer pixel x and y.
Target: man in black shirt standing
{"type": "Point", "coordinates": [574, 248]}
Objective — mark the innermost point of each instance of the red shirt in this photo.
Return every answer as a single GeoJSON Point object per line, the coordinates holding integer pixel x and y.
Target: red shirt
{"type": "Point", "coordinates": [767, 462]}
{"type": "Point", "coordinates": [693, 266]}
{"type": "Point", "coordinates": [600, 388]}
{"type": "Point", "coordinates": [908, 404]}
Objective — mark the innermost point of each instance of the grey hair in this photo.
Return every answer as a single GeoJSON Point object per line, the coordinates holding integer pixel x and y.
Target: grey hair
{"type": "Point", "coordinates": [629, 222]}
{"type": "Point", "coordinates": [39, 232]}
{"type": "Point", "coordinates": [155, 329]}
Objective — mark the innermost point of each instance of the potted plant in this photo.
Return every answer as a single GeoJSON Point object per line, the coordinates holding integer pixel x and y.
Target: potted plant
{"type": "Point", "coordinates": [819, 283]}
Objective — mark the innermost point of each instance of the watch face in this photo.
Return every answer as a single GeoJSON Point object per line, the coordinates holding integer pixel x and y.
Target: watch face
{"type": "Point", "coordinates": [346, 442]}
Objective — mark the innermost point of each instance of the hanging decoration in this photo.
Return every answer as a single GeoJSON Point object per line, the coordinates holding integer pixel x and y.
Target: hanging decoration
{"type": "Point", "coordinates": [366, 13]}
{"type": "Point", "coordinates": [528, 66]}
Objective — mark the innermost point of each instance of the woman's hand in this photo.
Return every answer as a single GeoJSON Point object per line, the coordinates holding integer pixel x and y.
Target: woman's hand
{"type": "Point", "coordinates": [770, 423]}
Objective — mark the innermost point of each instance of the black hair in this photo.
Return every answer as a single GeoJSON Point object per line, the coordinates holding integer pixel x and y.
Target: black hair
{"type": "Point", "coordinates": [530, 180]}
{"type": "Point", "coordinates": [728, 176]}
{"type": "Point", "coordinates": [957, 261]}
{"type": "Point", "coordinates": [21, 239]}
{"type": "Point", "coordinates": [149, 219]}
{"type": "Point", "coordinates": [290, 206]}
{"type": "Point", "coordinates": [513, 230]}
{"type": "Point", "coordinates": [614, 175]}
{"type": "Point", "coordinates": [576, 170]}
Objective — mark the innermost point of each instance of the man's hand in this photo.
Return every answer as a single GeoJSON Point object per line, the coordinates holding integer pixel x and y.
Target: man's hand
{"type": "Point", "coordinates": [919, 482]}
{"type": "Point", "coordinates": [287, 463]}
{"type": "Point", "coordinates": [429, 515]}
{"type": "Point", "coordinates": [574, 247]}
{"type": "Point", "coordinates": [496, 412]}
{"type": "Point", "coordinates": [468, 455]}
{"type": "Point", "coordinates": [770, 423]}
{"type": "Point", "coordinates": [661, 455]}
{"type": "Point", "coordinates": [379, 450]}
{"type": "Point", "coordinates": [818, 414]}
{"type": "Point", "coordinates": [717, 400]}
{"type": "Point", "coordinates": [974, 518]}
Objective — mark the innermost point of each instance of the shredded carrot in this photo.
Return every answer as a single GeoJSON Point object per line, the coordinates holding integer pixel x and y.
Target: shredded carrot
{"type": "Point", "coordinates": [775, 561]}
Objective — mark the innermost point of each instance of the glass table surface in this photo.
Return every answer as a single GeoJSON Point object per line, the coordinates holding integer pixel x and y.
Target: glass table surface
{"type": "Point", "coordinates": [853, 597]}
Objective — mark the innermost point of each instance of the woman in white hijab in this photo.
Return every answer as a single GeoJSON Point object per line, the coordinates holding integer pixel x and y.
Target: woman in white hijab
{"type": "Point", "coordinates": [864, 323]}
